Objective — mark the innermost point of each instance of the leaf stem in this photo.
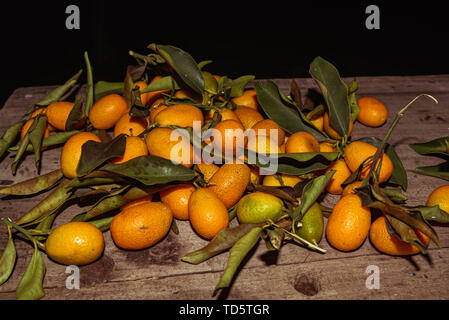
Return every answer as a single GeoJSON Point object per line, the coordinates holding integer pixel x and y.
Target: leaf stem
{"type": "Point", "coordinates": [383, 144]}
{"type": "Point", "coordinates": [295, 236]}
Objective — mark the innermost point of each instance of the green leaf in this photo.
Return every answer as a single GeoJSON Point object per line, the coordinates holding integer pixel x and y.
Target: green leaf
{"type": "Point", "coordinates": [355, 109]}
{"type": "Point", "coordinates": [237, 253]}
{"type": "Point", "coordinates": [51, 203]}
{"type": "Point", "coordinates": [431, 213]}
{"type": "Point", "coordinates": [94, 154]}
{"type": "Point", "coordinates": [293, 163]}
{"type": "Point", "coordinates": [289, 119]}
{"type": "Point", "coordinates": [151, 170]}
{"type": "Point", "coordinates": [405, 233]}
{"type": "Point", "coordinates": [273, 238]}
{"type": "Point", "coordinates": [7, 259]}
{"type": "Point", "coordinates": [115, 201]}
{"type": "Point", "coordinates": [104, 88]}
{"type": "Point", "coordinates": [438, 147]}
{"type": "Point", "coordinates": [399, 175]}
{"type": "Point", "coordinates": [76, 114]}
{"type": "Point", "coordinates": [36, 133]}
{"type": "Point", "coordinates": [20, 152]}
{"type": "Point", "coordinates": [284, 193]}
{"type": "Point", "coordinates": [202, 64]}
{"type": "Point", "coordinates": [400, 213]}
{"type": "Point", "coordinates": [238, 85]}
{"type": "Point", "coordinates": [130, 92]}
{"type": "Point", "coordinates": [313, 190]}
{"type": "Point", "coordinates": [163, 84]}
{"type": "Point", "coordinates": [57, 93]}
{"type": "Point", "coordinates": [335, 93]}
{"type": "Point", "coordinates": [183, 64]}
{"type": "Point", "coordinates": [395, 195]}
{"type": "Point", "coordinates": [102, 224]}
{"type": "Point", "coordinates": [439, 171]}
{"type": "Point", "coordinates": [52, 140]}
{"type": "Point", "coordinates": [89, 85]}
{"type": "Point", "coordinates": [30, 286]}
{"type": "Point", "coordinates": [353, 86]}
{"type": "Point", "coordinates": [223, 241]}
{"type": "Point", "coordinates": [210, 83]}
{"type": "Point", "coordinates": [34, 185]}
{"type": "Point", "coordinates": [9, 137]}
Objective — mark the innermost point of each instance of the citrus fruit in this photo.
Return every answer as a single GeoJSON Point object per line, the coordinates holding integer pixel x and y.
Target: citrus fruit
{"type": "Point", "coordinates": [228, 137]}
{"type": "Point", "coordinates": [177, 199]}
{"type": "Point", "coordinates": [342, 173]}
{"type": "Point", "coordinates": [208, 170]}
{"type": "Point", "coordinates": [327, 146]}
{"type": "Point", "coordinates": [71, 152]}
{"type": "Point", "coordinates": [259, 207]}
{"type": "Point", "coordinates": [75, 243]}
{"type": "Point", "coordinates": [263, 145]}
{"type": "Point", "coordinates": [226, 114]}
{"type": "Point", "coordinates": [255, 177]}
{"type": "Point", "coordinates": [440, 197]}
{"type": "Point", "coordinates": [373, 113]}
{"type": "Point", "coordinates": [181, 115]}
{"type": "Point", "coordinates": [131, 126]}
{"type": "Point", "coordinates": [317, 121]}
{"type": "Point", "coordinates": [331, 131]}
{"type": "Point", "coordinates": [383, 241]}
{"type": "Point", "coordinates": [207, 213]}
{"type": "Point", "coordinates": [312, 224]}
{"type": "Point", "coordinates": [230, 182]}
{"type": "Point", "coordinates": [145, 199]}
{"type": "Point", "coordinates": [38, 111]}
{"type": "Point", "coordinates": [141, 226]}
{"type": "Point", "coordinates": [157, 106]}
{"type": "Point", "coordinates": [107, 111]}
{"type": "Point", "coordinates": [282, 148]}
{"type": "Point", "coordinates": [135, 147]}
{"type": "Point", "coordinates": [27, 126]}
{"type": "Point", "coordinates": [159, 144]}
{"type": "Point", "coordinates": [248, 116]}
{"type": "Point", "coordinates": [349, 223]}
{"type": "Point", "coordinates": [58, 113]}
{"type": "Point", "coordinates": [287, 180]}
{"type": "Point", "coordinates": [300, 142]}
{"type": "Point", "coordinates": [357, 152]}
{"type": "Point", "coordinates": [268, 127]}
{"type": "Point", "coordinates": [247, 99]}
{"type": "Point", "coordinates": [349, 189]}
{"type": "Point", "coordinates": [188, 94]}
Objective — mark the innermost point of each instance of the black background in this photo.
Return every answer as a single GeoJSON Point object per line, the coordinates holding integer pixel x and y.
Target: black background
{"type": "Point", "coordinates": [269, 39]}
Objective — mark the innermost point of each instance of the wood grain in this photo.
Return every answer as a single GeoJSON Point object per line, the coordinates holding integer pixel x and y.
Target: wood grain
{"type": "Point", "coordinates": [294, 273]}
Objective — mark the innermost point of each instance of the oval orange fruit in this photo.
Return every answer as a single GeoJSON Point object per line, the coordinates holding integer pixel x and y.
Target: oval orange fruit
{"type": "Point", "coordinates": [348, 225]}
{"type": "Point", "coordinates": [141, 226]}
{"type": "Point", "coordinates": [207, 213]}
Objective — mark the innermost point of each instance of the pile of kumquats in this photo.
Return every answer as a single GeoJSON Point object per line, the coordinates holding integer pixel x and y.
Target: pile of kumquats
{"type": "Point", "coordinates": [175, 142]}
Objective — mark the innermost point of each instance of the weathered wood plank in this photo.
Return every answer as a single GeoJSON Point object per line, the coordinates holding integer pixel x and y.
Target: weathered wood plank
{"type": "Point", "coordinates": [158, 273]}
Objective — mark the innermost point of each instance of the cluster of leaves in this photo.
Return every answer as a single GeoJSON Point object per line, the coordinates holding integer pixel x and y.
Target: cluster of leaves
{"type": "Point", "coordinates": [437, 148]}
{"type": "Point", "coordinates": [34, 140]}
{"type": "Point", "coordinates": [114, 185]}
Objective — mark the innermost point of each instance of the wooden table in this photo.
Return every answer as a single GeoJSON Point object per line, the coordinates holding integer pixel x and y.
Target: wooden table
{"type": "Point", "coordinates": [295, 273]}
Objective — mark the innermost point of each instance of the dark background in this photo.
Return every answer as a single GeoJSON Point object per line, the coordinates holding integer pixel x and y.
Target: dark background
{"type": "Point", "coordinates": [269, 39]}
